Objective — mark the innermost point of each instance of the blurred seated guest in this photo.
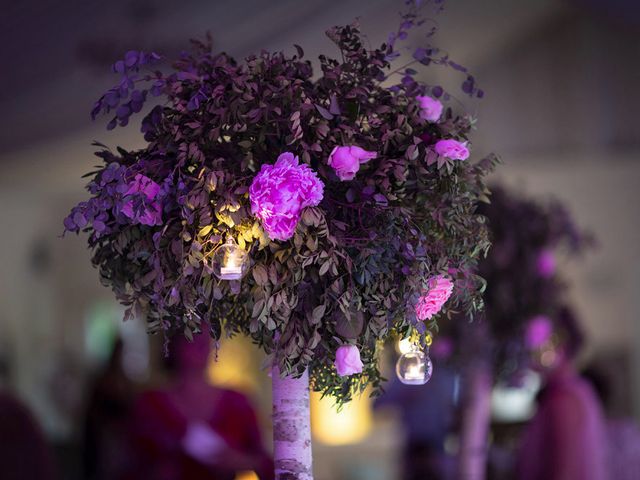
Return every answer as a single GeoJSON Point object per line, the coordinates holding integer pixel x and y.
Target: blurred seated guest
{"type": "Point", "coordinates": [427, 413]}
{"type": "Point", "coordinates": [566, 438]}
{"type": "Point", "coordinates": [192, 430]}
{"type": "Point", "coordinates": [24, 452]}
{"type": "Point", "coordinates": [105, 429]}
{"type": "Point", "coordinates": [623, 434]}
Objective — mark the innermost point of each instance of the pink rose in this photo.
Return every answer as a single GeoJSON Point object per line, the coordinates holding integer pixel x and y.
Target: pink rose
{"type": "Point", "coordinates": [538, 331]}
{"type": "Point", "coordinates": [546, 263]}
{"type": "Point", "coordinates": [430, 108]}
{"type": "Point", "coordinates": [279, 192]}
{"type": "Point", "coordinates": [348, 360]}
{"type": "Point", "coordinates": [452, 149]}
{"type": "Point", "coordinates": [346, 161]}
{"type": "Point", "coordinates": [429, 304]}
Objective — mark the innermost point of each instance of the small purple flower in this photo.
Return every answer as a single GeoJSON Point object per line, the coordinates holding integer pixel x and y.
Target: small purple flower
{"type": "Point", "coordinates": [452, 149]}
{"type": "Point", "coordinates": [279, 192]}
{"type": "Point", "coordinates": [546, 263]}
{"type": "Point", "coordinates": [346, 161]}
{"type": "Point", "coordinates": [430, 108]}
{"type": "Point", "coordinates": [538, 331]}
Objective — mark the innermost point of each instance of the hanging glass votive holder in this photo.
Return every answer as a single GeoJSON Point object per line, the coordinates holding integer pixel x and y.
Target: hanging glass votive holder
{"type": "Point", "coordinates": [229, 261]}
{"type": "Point", "coordinates": [414, 367]}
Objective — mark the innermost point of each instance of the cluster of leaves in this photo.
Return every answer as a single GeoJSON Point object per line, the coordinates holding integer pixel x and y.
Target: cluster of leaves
{"type": "Point", "coordinates": [425, 53]}
{"type": "Point", "coordinates": [521, 231]}
{"type": "Point", "coordinates": [357, 263]}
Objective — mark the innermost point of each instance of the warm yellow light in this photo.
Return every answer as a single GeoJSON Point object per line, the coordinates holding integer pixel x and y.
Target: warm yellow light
{"type": "Point", "coordinates": [404, 345]}
{"type": "Point", "coordinates": [232, 259]}
{"type": "Point", "coordinates": [414, 373]}
{"type": "Point", "coordinates": [229, 261]}
{"type": "Point", "coordinates": [247, 476]}
{"type": "Point", "coordinates": [231, 265]}
{"type": "Point", "coordinates": [233, 368]}
{"type": "Point", "coordinates": [350, 425]}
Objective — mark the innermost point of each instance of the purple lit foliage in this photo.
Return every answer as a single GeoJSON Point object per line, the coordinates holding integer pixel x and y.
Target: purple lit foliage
{"type": "Point", "coordinates": [424, 54]}
{"type": "Point", "coordinates": [116, 97]}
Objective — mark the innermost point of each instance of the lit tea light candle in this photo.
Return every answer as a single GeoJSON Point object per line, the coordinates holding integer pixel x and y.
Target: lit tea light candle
{"type": "Point", "coordinates": [414, 373]}
{"type": "Point", "coordinates": [229, 261]}
{"type": "Point", "coordinates": [414, 368]}
{"type": "Point", "coordinates": [232, 267]}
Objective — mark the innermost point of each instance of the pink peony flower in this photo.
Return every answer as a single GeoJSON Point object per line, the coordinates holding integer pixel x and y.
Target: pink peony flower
{"type": "Point", "coordinates": [546, 263]}
{"type": "Point", "coordinates": [279, 192]}
{"type": "Point", "coordinates": [348, 360]}
{"type": "Point", "coordinates": [430, 108]}
{"type": "Point", "coordinates": [452, 149]}
{"type": "Point", "coordinates": [151, 211]}
{"type": "Point", "coordinates": [538, 331]}
{"type": "Point", "coordinates": [346, 161]}
{"type": "Point", "coordinates": [429, 304]}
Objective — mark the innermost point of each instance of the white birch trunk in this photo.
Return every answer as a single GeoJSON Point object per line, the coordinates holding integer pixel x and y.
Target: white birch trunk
{"type": "Point", "coordinates": [475, 426]}
{"type": "Point", "coordinates": [291, 427]}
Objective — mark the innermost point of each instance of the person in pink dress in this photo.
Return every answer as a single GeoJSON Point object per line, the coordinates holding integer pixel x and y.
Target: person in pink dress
{"type": "Point", "coordinates": [192, 430]}
{"type": "Point", "coordinates": [566, 438]}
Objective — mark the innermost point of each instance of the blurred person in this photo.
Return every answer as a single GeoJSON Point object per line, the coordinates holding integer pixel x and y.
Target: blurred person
{"type": "Point", "coordinates": [623, 434]}
{"type": "Point", "coordinates": [193, 430]}
{"type": "Point", "coordinates": [106, 420]}
{"type": "Point", "coordinates": [24, 451]}
{"type": "Point", "coordinates": [565, 440]}
{"type": "Point", "coordinates": [427, 414]}
{"type": "Point", "coordinates": [4, 371]}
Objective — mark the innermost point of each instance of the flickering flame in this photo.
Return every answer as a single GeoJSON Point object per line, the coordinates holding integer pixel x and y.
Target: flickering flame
{"type": "Point", "coordinates": [231, 268]}
{"type": "Point", "coordinates": [232, 260]}
{"type": "Point", "coordinates": [413, 373]}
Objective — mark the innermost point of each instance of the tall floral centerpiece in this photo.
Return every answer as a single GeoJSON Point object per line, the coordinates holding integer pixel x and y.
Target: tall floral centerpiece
{"type": "Point", "coordinates": [525, 293]}
{"type": "Point", "coordinates": [317, 214]}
